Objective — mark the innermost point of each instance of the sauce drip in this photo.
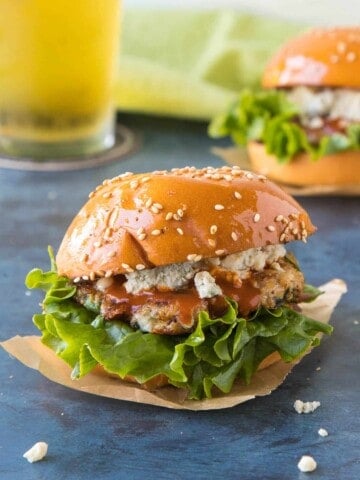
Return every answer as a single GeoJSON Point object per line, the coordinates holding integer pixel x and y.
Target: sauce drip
{"type": "Point", "coordinates": [186, 303]}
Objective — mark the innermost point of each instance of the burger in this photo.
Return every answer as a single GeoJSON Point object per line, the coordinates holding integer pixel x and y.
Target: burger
{"type": "Point", "coordinates": [303, 128]}
{"type": "Point", "coordinates": [179, 277]}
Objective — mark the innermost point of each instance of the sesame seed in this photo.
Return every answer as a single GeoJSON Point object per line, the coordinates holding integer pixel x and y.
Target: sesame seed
{"type": "Point", "coordinates": [237, 195]}
{"type": "Point", "coordinates": [180, 212]}
{"type": "Point", "coordinates": [351, 56]}
{"type": "Point", "coordinates": [154, 209]}
{"type": "Point", "coordinates": [249, 175]}
{"type": "Point", "coordinates": [140, 230]}
{"type": "Point", "coordinates": [219, 252]}
{"type": "Point", "coordinates": [158, 206]}
{"type": "Point", "coordinates": [294, 231]}
{"type": "Point", "coordinates": [271, 228]}
{"type": "Point", "coordinates": [91, 194]}
{"type": "Point", "coordinates": [97, 244]}
{"type": "Point", "coordinates": [234, 236]}
{"type": "Point", "coordinates": [108, 233]}
{"type": "Point", "coordinates": [176, 217]}
{"type": "Point", "coordinates": [134, 184]}
{"type": "Point", "coordinates": [145, 179]}
{"type": "Point", "coordinates": [227, 178]}
{"type": "Point", "coordinates": [218, 206]}
{"type": "Point", "coordinates": [148, 203]}
{"type": "Point", "coordinates": [156, 232]}
{"type": "Point", "coordinates": [211, 242]}
{"type": "Point", "coordinates": [213, 229]}
{"type": "Point", "coordinates": [107, 195]}
{"type": "Point", "coordinates": [140, 266]}
{"type": "Point", "coordinates": [113, 216]}
{"type": "Point", "coordinates": [341, 47]}
{"type": "Point", "coordinates": [169, 216]}
{"type": "Point", "coordinates": [108, 274]}
{"type": "Point", "coordinates": [191, 257]}
{"type": "Point", "coordinates": [112, 254]}
{"type": "Point", "coordinates": [279, 218]}
{"type": "Point", "coordinates": [294, 216]}
{"type": "Point", "coordinates": [256, 217]}
{"type": "Point", "coordinates": [76, 280]}
{"type": "Point", "coordinates": [84, 257]}
{"type": "Point", "coordinates": [125, 265]}
{"type": "Point", "coordinates": [282, 237]}
{"type": "Point", "coordinates": [262, 178]}
{"type": "Point", "coordinates": [92, 276]}
{"type": "Point", "coordinates": [180, 231]}
{"type": "Point", "coordinates": [85, 277]}
{"type": "Point", "coordinates": [142, 236]}
{"type": "Point", "coordinates": [197, 258]}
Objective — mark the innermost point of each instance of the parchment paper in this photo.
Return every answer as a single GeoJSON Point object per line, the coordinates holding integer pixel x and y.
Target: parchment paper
{"type": "Point", "coordinates": [238, 156]}
{"type": "Point", "coordinates": [32, 353]}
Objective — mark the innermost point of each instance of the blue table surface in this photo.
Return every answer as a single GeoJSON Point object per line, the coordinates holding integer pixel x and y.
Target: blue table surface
{"type": "Point", "coordinates": [93, 437]}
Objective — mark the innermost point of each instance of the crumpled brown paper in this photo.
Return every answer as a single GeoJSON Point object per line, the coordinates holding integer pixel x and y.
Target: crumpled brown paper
{"type": "Point", "coordinates": [238, 156]}
{"type": "Point", "coordinates": [32, 353]}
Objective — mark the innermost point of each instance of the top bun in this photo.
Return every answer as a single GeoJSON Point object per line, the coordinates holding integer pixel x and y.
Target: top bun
{"type": "Point", "coordinates": [320, 57]}
{"type": "Point", "coordinates": [145, 220]}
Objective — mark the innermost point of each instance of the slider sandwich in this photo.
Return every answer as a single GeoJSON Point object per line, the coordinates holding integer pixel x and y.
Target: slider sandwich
{"type": "Point", "coordinates": [303, 127]}
{"type": "Point", "coordinates": [179, 277]}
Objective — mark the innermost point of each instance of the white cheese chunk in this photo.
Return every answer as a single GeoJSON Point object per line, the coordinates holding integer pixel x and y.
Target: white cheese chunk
{"type": "Point", "coordinates": [178, 275]}
{"type": "Point", "coordinates": [332, 102]}
{"type": "Point", "coordinates": [307, 464]}
{"type": "Point", "coordinates": [252, 259]}
{"type": "Point", "coordinates": [168, 277]}
{"type": "Point", "coordinates": [206, 286]}
{"type": "Point", "coordinates": [322, 432]}
{"type": "Point", "coordinates": [306, 407]}
{"type": "Point", "coordinates": [36, 452]}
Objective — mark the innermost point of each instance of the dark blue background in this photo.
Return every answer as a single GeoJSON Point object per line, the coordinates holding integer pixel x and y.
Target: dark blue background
{"type": "Point", "coordinates": [93, 437]}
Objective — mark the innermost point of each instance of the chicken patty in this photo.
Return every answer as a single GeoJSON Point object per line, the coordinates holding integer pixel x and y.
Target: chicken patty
{"type": "Point", "coordinates": [175, 312]}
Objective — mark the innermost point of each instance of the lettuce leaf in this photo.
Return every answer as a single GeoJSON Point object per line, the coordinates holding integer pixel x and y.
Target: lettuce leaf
{"type": "Point", "coordinates": [269, 117]}
{"type": "Point", "coordinates": [215, 354]}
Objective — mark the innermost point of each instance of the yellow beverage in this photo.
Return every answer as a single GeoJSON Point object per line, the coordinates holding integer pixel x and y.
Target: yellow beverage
{"type": "Point", "coordinates": [58, 63]}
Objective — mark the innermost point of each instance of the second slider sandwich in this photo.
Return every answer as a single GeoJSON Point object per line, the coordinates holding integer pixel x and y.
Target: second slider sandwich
{"type": "Point", "coordinates": [180, 277]}
{"type": "Point", "coordinates": [303, 127]}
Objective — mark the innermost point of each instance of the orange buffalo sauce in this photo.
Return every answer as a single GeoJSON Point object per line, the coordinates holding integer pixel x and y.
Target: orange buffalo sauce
{"type": "Point", "coordinates": [186, 303]}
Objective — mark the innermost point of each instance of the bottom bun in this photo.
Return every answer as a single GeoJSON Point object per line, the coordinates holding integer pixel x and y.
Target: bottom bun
{"type": "Point", "coordinates": [162, 381]}
{"type": "Point", "coordinates": [337, 169]}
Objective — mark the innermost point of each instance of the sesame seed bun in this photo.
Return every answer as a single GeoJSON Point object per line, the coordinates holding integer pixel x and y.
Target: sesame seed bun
{"type": "Point", "coordinates": [133, 222]}
{"type": "Point", "coordinates": [319, 57]}
{"type": "Point", "coordinates": [339, 169]}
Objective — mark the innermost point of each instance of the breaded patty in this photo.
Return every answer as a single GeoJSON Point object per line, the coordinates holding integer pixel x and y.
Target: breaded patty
{"type": "Point", "coordinates": [175, 312]}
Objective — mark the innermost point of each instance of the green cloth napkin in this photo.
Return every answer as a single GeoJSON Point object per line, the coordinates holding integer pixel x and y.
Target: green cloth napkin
{"type": "Point", "coordinates": [191, 64]}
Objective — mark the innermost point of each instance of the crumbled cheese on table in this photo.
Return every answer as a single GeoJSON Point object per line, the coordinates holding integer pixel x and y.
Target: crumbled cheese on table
{"type": "Point", "coordinates": [36, 452]}
{"type": "Point", "coordinates": [307, 464]}
{"type": "Point", "coordinates": [306, 407]}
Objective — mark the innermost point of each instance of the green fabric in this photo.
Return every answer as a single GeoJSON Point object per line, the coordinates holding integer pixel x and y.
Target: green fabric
{"type": "Point", "coordinates": [192, 64]}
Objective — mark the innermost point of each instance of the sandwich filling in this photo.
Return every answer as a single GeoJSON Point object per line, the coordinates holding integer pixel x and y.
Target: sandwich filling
{"type": "Point", "coordinates": [318, 121]}
{"type": "Point", "coordinates": [167, 300]}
